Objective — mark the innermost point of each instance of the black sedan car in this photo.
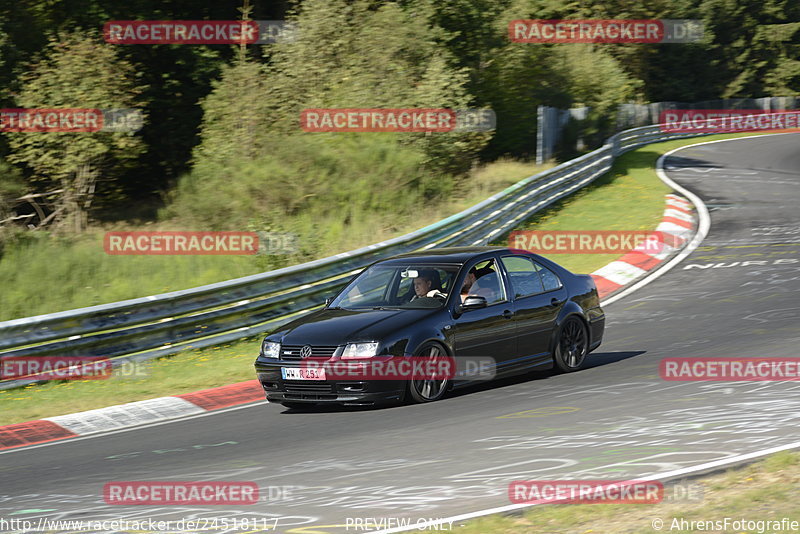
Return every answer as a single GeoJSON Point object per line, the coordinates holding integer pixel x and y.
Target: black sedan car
{"type": "Point", "coordinates": [489, 311]}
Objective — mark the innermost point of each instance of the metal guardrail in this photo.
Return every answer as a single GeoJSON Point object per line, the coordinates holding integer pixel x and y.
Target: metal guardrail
{"type": "Point", "coordinates": [157, 325]}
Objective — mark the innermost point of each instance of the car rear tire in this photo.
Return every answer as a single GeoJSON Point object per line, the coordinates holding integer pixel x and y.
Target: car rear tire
{"type": "Point", "coordinates": [420, 391]}
{"type": "Point", "coordinates": [298, 405]}
{"type": "Point", "coordinates": [571, 346]}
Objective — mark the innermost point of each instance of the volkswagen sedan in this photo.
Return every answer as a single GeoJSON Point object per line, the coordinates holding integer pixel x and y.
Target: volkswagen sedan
{"type": "Point", "coordinates": [491, 311]}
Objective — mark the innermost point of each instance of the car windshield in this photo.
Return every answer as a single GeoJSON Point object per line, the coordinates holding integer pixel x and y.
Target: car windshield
{"type": "Point", "coordinates": [399, 286]}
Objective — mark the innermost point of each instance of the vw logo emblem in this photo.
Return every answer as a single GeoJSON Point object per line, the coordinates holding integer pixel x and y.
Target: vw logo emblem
{"type": "Point", "coordinates": [305, 352]}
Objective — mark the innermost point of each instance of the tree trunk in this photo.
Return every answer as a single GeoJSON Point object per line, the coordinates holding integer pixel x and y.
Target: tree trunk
{"type": "Point", "coordinates": [77, 199]}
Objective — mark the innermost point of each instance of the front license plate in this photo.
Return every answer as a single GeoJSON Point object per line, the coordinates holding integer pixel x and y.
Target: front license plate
{"type": "Point", "coordinates": [296, 373]}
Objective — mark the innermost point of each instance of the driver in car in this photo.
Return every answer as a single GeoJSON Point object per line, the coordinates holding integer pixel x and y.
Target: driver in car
{"type": "Point", "coordinates": [422, 285]}
{"type": "Point", "coordinates": [427, 284]}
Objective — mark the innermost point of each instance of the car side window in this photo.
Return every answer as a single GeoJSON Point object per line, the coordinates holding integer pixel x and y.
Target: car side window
{"type": "Point", "coordinates": [549, 278]}
{"type": "Point", "coordinates": [525, 280]}
{"type": "Point", "coordinates": [487, 283]}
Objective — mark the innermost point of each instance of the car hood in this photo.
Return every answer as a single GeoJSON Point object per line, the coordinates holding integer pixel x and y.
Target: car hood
{"type": "Point", "coordinates": [336, 327]}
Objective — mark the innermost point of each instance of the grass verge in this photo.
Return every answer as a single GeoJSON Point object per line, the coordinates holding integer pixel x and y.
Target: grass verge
{"type": "Point", "coordinates": [605, 203]}
{"type": "Point", "coordinates": [768, 490]}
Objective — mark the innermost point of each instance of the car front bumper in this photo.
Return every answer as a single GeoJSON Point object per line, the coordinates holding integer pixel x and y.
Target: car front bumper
{"type": "Point", "coordinates": [364, 392]}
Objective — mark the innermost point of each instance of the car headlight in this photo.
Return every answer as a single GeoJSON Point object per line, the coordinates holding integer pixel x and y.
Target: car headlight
{"type": "Point", "coordinates": [270, 349]}
{"type": "Point", "coordinates": [360, 350]}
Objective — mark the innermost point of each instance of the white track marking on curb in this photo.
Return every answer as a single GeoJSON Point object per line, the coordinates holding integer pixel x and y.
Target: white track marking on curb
{"type": "Point", "coordinates": [623, 273]}
{"type": "Point", "coordinates": [126, 415]}
{"type": "Point", "coordinates": [672, 228]}
{"type": "Point", "coordinates": [132, 428]}
{"type": "Point", "coordinates": [678, 215]}
{"type": "Point", "coordinates": [664, 249]}
{"type": "Point", "coordinates": [666, 252]}
{"type": "Point", "coordinates": [678, 201]}
{"type": "Point", "coordinates": [620, 272]}
{"type": "Point", "coordinates": [671, 204]}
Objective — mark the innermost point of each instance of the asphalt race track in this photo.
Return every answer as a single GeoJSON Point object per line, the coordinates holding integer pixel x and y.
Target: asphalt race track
{"type": "Point", "coordinates": [614, 420]}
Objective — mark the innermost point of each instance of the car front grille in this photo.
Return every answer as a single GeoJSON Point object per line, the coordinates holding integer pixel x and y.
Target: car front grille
{"type": "Point", "coordinates": [292, 352]}
{"type": "Point", "coordinates": [306, 391]}
{"type": "Point", "coordinates": [304, 387]}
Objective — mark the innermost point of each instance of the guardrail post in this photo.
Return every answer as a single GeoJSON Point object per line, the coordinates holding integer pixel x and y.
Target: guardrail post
{"type": "Point", "coordinates": [615, 145]}
{"type": "Point", "coordinates": [540, 135]}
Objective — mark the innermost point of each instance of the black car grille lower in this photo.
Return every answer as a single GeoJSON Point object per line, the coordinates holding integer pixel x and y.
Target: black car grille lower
{"type": "Point", "coordinates": [306, 391]}
{"type": "Point", "coordinates": [304, 387]}
{"type": "Point", "coordinates": [292, 352]}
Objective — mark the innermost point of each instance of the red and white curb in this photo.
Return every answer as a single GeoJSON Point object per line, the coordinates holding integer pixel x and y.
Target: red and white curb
{"type": "Point", "coordinates": [128, 415]}
{"type": "Point", "coordinates": [675, 229]}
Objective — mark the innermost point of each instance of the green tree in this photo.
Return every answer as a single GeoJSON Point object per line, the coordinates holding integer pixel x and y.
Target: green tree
{"type": "Point", "coordinates": [517, 78]}
{"type": "Point", "coordinates": [762, 50]}
{"type": "Point", "coordinates": [233, 116]}
{"type": "Point", "coordinates": [346, 55]}
{"type": "Point", "coordinates": [77, 71]}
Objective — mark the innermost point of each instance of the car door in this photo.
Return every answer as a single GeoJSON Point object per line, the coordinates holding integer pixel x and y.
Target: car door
{"type": "Point", "coordinates": [538, 297]}
{"type": "Point", "coordinates": [485, 332]}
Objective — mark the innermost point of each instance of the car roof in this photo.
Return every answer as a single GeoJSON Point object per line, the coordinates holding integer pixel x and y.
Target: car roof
{"type": "Point", "coordinates": [445, 255]}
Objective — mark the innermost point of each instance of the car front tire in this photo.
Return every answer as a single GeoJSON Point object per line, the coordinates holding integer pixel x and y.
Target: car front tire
{"type": "Point", "coordinates": [419, 391]}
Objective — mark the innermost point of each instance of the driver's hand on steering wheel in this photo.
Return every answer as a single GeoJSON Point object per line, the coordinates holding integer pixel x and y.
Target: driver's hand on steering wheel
{"type": "Point", "coordinates": [436, 293]}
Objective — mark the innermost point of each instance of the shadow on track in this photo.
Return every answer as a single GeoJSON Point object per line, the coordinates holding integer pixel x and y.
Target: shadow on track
{"type": "Point", "coordinates": [596, 359]}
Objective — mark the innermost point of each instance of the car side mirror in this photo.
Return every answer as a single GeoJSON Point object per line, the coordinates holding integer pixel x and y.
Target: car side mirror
{"type": "Point", "coordinates": [473, 302]}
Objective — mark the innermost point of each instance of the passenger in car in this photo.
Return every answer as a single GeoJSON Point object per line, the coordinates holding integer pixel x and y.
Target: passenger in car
{"type": "Point", "coordinates": [472, 276]}
{"type": "Point", "coordinates": [468, 281]}
{"type": "Point", "coordinates": [488, 287]}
